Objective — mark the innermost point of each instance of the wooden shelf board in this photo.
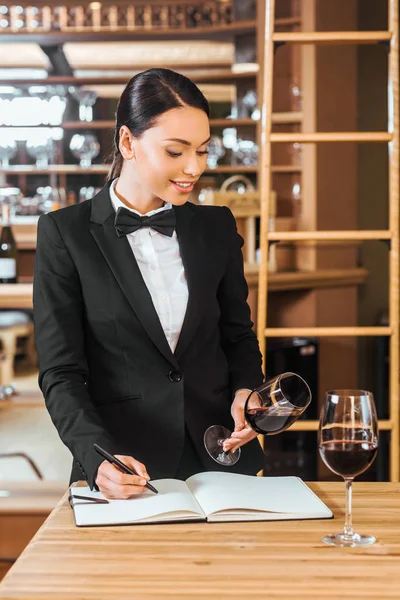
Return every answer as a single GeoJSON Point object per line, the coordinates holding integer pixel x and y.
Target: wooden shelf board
{"type": "Point", "coordinates": [340, 136]}
{"type": "Point", "coordinates": [221, 77]}
{"type": "Point", "coordinates": [332, 37]}
{"type": "Point", "coordinates": [278, 118]}
{"type": "Point", "coordinates": [19, 295]}
{"type": "Point", "coordinates": [337, 331]}
{"type": "Point", "coordinates": [303, 280]}
{"type": "Point", "coordinates": [103, 169]}
{"type": "Point", "coordinates": [50, 38]}
{"type": "Point", "coordinates": [325, 236]}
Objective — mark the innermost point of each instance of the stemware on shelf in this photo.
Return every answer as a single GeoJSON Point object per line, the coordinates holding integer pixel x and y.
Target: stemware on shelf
{"type": "Point", "coordinates": [86, 100]}
{"type": "Point", "coordinates": [85, 146]}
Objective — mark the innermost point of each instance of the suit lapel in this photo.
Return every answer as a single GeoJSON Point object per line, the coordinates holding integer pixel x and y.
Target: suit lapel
{"type": "Point", "coordinates": [194, 257]}
{"type": "Point", "coordinates": [119, 256]}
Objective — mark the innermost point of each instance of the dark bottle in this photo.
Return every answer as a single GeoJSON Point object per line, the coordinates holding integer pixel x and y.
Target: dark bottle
{"type": "Point", "coordinates": [8, 249]}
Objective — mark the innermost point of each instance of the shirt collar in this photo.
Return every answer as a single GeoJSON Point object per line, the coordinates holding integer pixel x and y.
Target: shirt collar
{"type": "Point", "coordinates": [117, 203]}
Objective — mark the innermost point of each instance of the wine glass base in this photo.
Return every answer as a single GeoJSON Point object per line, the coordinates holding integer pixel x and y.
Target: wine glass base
{"type": "Point", "coordinates": [213, 442]}
{"type": "Point", "coordinates": [341, 539]}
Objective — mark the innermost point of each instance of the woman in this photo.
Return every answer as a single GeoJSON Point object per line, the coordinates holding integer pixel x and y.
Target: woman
{"type": "Point", "coordinates": [141, 322]}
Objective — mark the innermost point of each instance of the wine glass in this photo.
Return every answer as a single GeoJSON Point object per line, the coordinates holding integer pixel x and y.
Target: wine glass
{"type": "Point", "coordinates": [8, 150]}
{"type": "Point", "coordinates": [269, 409]}
{"type": "Point", "coordinates": [41, 148]}
{"type": "Point", "coordinates": [85, 147]}
{"type": "Point", "coordinates": [216, 151]}
{"type": "Point", "coordinates": [348, 443]}
{"type": "Point", "coordinates": [86, 100]}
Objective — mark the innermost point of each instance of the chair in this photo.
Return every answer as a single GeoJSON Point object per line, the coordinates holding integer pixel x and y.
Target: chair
{"type": "Point", "coordinates": [14, 325]}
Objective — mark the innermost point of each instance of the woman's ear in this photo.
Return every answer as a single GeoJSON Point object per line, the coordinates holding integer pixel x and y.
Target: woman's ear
{"type": "Point", "coordinates": [126, 143]}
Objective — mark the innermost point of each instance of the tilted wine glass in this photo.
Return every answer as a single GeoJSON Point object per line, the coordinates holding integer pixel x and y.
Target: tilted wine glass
{"type": "Point", "coordinates": [269, 409]}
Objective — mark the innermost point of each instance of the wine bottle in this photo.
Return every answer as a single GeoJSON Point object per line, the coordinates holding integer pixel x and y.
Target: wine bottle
{"type": "Point", "coordinates": [8, 250]}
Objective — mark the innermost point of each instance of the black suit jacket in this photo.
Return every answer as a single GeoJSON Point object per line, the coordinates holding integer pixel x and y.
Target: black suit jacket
{"type": "Point", "coordinates": [106, 370]}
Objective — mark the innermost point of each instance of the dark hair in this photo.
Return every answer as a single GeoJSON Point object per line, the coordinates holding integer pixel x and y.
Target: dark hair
{"type": "Point", "coordinates": [146, 97]}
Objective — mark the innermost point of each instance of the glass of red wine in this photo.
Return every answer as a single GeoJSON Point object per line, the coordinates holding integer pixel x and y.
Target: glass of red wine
{"type": "Point", "coordinates": [348, 443]}
{"type": "Point", "coordinates": [269, 409]}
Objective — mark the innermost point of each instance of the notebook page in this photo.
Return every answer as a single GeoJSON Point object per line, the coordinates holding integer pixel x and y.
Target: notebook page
{"type": "Point", "coordinates": [218, 491]}
{"type": "Point", "coordinates": [174, 500]}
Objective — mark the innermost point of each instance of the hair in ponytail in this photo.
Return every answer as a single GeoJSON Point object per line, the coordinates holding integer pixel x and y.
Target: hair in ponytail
{"type": "Point", "coordinates": [146, 97]}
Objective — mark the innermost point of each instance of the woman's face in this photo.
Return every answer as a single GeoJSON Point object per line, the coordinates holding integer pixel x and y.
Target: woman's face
{"type": "Point", "coordinates": [170, 157]}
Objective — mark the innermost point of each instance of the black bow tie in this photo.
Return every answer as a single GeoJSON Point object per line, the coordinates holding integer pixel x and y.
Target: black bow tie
{"type": "Point", "coordinates": [127, 221]}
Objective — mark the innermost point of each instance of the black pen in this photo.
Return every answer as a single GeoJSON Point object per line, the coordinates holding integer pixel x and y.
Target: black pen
{"type": "Point", "coordinates": [114, 460]}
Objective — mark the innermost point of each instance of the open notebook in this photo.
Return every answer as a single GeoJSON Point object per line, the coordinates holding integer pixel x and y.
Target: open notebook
{"type": "Point", "coordinates": [211, 496]}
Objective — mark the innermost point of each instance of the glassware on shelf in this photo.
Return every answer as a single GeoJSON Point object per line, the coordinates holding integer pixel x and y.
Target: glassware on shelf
{"type": "Point", "coordinates": [42, 150]}
{"type": "Point", "coordinates": [84, 146]}
{"type": "Point", "coordinates": [86, 100]}
{"type": "Point", "coordinates": [245, 153]}
{"type": "Point", "coordinates": [216, 151]}
{"type": "Point", "coordinates": [269, 409]}
{"type": "Point", "coordinates": [249, 101]}
{"type": "Point", "coordinates": [348, 443]}
{"type": "Point", "coordinates": [296, 96]}
{"type": "Point", "coordinates": [8, 150]}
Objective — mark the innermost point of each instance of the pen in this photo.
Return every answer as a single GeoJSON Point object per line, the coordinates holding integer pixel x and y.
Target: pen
{"type": "Point", "coordinates": [114, 460]}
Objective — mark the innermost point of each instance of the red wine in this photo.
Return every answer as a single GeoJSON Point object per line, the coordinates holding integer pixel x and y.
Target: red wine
{"type": "Point", "coordinates": [269, 420]}
{"type": "Point", "coordinates": [348, 459]}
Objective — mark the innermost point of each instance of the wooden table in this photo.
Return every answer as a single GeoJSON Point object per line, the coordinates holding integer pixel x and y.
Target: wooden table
{"type": "Point", "coordinates": [224, 560]}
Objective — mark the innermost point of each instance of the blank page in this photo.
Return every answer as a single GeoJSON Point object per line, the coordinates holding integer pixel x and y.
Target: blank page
{"type": "Point", "coordinates": [217, 491]}
{"type": "Point", "coordinates": [174, 499]}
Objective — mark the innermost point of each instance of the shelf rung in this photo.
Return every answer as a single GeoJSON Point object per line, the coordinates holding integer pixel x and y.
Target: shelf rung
{"type": "Point", "coordinates": [323, 236]}
{"type": "Point", "coordinates": [312, 425]}
{"type": "Point", "coordinates": [327, 331]}
{"type": "Point", "coordinates": [331, 136]}
{"type": "Point", "coordinates": [332, 37]}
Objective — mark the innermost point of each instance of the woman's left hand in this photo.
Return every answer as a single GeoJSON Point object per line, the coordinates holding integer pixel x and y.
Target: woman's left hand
{"type": "Point", "coordinates": [243, 433]}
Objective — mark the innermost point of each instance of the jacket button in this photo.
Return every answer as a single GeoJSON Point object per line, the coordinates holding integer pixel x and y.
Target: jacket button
{"type": "Point", "coordinates": [175, 376]}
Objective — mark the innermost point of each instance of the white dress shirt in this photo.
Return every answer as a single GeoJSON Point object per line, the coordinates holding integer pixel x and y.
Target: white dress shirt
{"type": "Point", "coordinates": [159, 260]}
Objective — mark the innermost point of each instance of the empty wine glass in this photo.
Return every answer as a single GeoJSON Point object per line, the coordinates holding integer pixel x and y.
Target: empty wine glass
{"type": "Point", "coordinates": [215, 151]}
{"type": "Point", "coordinates": [41, 149]}
{"type": "Point", "coordinates": [348, 443]}
{"type": "Point", "coordinates": [8, 149]}
{"type": "Point", "coordinates": [86, 99]}
{"type": "Point", "coordinates": [269, 409]}
{"type": "Point", "coordinates": [84, 146]}
{"type": "Point", "coordinates": [245, 153]}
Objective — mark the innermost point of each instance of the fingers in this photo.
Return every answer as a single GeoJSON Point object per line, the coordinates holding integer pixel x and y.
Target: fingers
{"type": "Point", "coordinates": [113, 483]}
{"type": "Point", "coordinates": [239, 438]}
{"type": "Point", "coordinates": [238, 417]}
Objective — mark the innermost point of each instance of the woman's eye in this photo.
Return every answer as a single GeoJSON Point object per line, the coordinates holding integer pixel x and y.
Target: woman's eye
{"type": "Point", "coordinates": [203, 153]}
{"type": "Point", "coordinates": [174, 153]}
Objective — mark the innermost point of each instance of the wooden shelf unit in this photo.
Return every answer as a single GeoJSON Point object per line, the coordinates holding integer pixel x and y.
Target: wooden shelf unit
{"type": "Point", "coordinates": [392, 424]}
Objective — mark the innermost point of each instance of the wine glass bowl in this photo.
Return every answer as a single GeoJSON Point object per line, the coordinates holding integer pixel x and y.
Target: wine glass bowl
{"type": "Point", "coordinates": [277, 404]}
{"type": "Point", "coordinates": [348, 442]}
{"type": "Point", "coordinates": [85, 147]}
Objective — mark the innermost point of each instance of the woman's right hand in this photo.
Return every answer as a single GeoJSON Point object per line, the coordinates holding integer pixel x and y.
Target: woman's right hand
{"type": "Point", "coordinates": [113, 483]}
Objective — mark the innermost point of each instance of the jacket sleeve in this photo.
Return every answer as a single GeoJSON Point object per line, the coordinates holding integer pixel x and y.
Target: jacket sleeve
{"type": "Point", "coordinates": [238, 340]}
{"type": "Point", "coordinates": [58, 312]}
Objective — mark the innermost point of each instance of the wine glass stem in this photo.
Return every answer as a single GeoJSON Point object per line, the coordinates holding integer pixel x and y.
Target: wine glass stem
{"type": "Point", "coordinates": [348, 524]}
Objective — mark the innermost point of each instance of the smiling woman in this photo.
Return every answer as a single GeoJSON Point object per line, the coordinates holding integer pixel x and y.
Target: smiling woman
{"type": "Point", "coordinates": [161, 135]}
{"type": "Point", "coordinates": [140, 304]}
